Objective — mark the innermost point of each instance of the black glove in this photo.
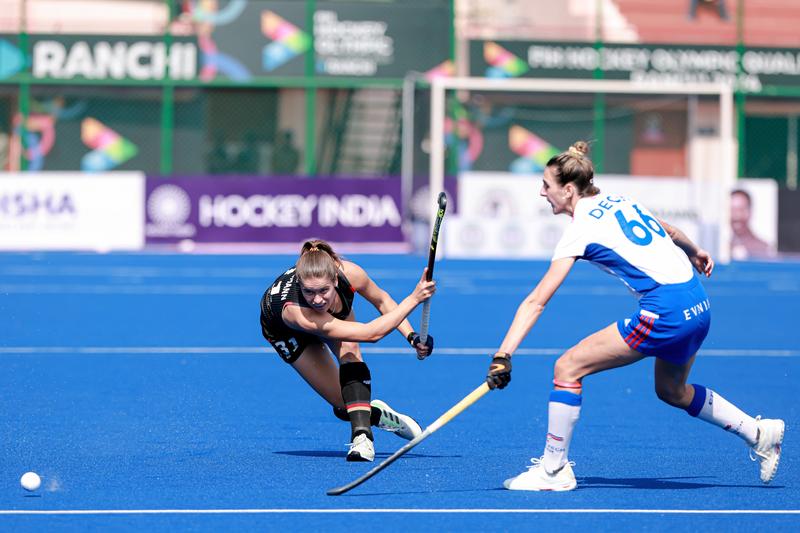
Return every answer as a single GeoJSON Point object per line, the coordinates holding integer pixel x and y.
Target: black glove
{"type": "Point", "coordinates": [499, 372]}
{"type": "Point", "coordinates": [414, 339]}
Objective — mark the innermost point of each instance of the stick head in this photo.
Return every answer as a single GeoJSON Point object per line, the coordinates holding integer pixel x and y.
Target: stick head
{"type": "Point", "coordinates": [442, 201]}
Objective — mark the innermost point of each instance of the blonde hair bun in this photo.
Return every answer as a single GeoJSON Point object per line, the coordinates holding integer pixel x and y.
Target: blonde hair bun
{"type": "Point", "coordinates": [579, 149]}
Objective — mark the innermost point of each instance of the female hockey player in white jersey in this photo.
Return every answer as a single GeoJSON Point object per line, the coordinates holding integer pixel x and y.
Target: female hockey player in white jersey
{"type": "Point", "coordinates": [654, 260]}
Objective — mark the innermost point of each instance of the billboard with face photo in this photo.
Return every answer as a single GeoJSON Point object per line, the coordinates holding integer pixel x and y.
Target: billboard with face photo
{"type": "Point", "coordinates": [754, 219]}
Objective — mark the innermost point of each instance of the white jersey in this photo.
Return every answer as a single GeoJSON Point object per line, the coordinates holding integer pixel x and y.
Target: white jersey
{"type": "Point", "coordinates": [623, 238]}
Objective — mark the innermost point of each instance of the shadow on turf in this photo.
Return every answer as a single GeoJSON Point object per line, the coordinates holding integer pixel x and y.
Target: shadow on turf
{"type": "Point", "coordinates": [339, 453]}
{"type": "Point", "coordinates": [597, 483]}
{"type": "Point", "coordinates": [668, 483]}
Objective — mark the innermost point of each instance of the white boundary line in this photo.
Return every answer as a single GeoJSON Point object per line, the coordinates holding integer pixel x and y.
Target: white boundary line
{"type": "Point", "coordinates": [400, 510]}
{"type": "Point", "coordinates": [266, 350]}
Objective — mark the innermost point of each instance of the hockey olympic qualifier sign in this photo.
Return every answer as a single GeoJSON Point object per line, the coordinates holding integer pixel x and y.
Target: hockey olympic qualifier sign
{"type": "Point", "coordinates": [658, 64]}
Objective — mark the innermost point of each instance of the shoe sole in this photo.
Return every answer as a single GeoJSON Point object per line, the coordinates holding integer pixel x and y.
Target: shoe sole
{"type": "Point", "coordinates": [357, 458]}
{"type": "Point", "coordinates": [562, 488]}
{"type": "Point", "coordinates": [778, 459]}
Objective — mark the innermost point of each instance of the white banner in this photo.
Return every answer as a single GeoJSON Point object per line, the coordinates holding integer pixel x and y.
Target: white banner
{"type": "Point", "coordinates": [502, 214]}
{"type": "Point", "coordinates": [72, 211]}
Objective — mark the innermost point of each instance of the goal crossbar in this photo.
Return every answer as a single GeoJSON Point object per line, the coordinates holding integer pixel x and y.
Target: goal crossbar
{"type": "Point", "coordinates": [724, 91]}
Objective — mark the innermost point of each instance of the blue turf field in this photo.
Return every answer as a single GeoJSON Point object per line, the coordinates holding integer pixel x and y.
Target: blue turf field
{"type": "Point", "coordinates": [139, 387]}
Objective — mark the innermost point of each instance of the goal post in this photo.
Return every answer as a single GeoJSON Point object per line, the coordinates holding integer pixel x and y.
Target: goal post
{"type": "Point", "coordinates": [710, 166]}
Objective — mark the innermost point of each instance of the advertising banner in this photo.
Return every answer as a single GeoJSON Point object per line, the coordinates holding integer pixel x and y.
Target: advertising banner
{"type": "Point", "coordinates": [749, 69]}
{"type": "Point", "coordinates": [258, 210]}
{"type": "Point", "coordinates": [72, 211]}
{"type": "Point", "coordinates": [12, 59]}
{"type": "Point", "coordinates": [91, 57]}
{"type": "Point", "coordinates": [247, 40]}
{"type": "Point", "coordinates": [502, 214]}
{"type": "Point", "coordinates": [250, 42]}
{"type": "Point", "coordinates": [359, 39]}
{"type": "Point", "coordinates": [271, 38]}
{"type": "Point", "coordinates": [754, 219]}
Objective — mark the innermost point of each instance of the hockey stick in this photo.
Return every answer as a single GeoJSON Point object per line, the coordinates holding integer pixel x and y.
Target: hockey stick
{"type": "Point", "coordinates": [454, 411]}
{"type": "Point", "coordinates": [426, 307]}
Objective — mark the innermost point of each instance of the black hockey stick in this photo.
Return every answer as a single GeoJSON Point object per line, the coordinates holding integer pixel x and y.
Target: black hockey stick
{"type": "Point", "coordinates": [426, 307]}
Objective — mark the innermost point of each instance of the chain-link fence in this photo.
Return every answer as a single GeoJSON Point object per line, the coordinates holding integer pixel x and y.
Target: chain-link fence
{"type": "Point", "coordinates": [202, 131]}
{"type": "Point", "coordinates": [249, 88]}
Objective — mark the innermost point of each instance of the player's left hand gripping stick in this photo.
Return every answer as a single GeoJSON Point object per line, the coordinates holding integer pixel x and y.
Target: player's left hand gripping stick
{"type": "Point", "coordinates": [454, 411]}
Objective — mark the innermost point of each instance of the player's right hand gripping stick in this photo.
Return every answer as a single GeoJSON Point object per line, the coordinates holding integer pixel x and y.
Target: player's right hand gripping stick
{"type": "Point", "coordinates": [499, 371]}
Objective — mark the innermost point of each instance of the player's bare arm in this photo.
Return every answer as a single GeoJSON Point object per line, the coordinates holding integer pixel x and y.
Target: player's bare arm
{"type": "Point", "coordinates": [532, 307]}
{"type": "Point", "coordinates": [384, 303]}
{"type": "Point", "coordinates": [327, 326]}
{"type": "Point", "coordinates": [526, 316]}
{"type": "Point", "coordinates": [379, 298]}
{"type": "Point", "coordinates": [700, 258]}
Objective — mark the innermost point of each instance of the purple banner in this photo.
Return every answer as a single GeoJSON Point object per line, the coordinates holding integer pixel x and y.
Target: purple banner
{"type": "Point", "coordinates": [261, 210]}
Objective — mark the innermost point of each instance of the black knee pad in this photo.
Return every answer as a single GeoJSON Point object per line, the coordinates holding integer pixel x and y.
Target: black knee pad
{"type": "Point", "coordinates": [356, 385]}
{"type": "Point", "coordinates": [359, 373]}
{"type": "Point", "coordinates": [355, 372]}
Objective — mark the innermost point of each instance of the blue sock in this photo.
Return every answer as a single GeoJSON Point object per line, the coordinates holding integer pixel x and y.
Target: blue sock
{"type": "Point", "coordinates": [698, 401]}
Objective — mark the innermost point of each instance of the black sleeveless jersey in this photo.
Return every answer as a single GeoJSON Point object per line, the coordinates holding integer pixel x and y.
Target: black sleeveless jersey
{"type": "Point", "coordinates": [287, 341]}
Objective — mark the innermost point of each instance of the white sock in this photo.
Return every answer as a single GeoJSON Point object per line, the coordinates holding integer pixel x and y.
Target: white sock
{"type": "Point", "coordinates": [563, 412]}
{"type": "Point", "coordinates": [720, 412]}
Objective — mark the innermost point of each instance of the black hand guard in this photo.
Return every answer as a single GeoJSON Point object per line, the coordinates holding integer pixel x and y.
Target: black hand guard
{"type": "Point", "coordinates": [499, 373]}
{"type": "Point", "coordinates": [414, 339]}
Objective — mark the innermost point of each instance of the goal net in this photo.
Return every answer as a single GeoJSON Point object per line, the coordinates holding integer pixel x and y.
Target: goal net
{"type": "Point", "coordinates": [670, 147]}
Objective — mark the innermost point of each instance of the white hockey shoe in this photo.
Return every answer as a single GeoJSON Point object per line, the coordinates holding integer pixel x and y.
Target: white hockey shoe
{"type": "Point", "coordinates": [361, 449]}
{"type": "Point", "coordinates": [537, 478]}
{"type": "Point", "coordinates": [768, 447]}
{"type": "Point", "coordinates": [401, 425]}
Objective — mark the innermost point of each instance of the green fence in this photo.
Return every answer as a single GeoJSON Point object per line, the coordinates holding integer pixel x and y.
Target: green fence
{"type": "Point", "coordinates": [305, 87]}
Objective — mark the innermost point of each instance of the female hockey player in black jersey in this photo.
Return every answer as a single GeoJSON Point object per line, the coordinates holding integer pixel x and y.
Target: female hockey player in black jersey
{"type": "Point", "coordinates": [309, 309]}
